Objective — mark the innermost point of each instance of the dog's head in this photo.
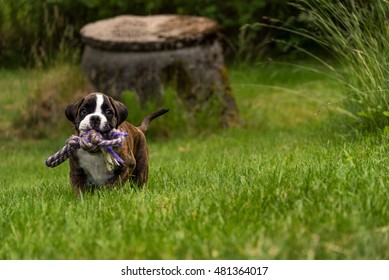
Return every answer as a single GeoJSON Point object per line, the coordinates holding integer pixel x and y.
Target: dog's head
{"type": "Point", "coordinates": [96, 111]}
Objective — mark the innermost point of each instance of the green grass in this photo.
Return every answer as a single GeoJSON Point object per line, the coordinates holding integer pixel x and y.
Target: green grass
{"type": "Point", "coordinates": [357, 34]}
{"type": "Point", "coordinates": [283, 185]}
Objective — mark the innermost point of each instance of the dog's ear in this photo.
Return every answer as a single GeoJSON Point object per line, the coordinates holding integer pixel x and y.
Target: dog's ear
{"type": "Point", "coordinates": [72, 109]}
{"type": "Point", "coordinates": [121, 111]}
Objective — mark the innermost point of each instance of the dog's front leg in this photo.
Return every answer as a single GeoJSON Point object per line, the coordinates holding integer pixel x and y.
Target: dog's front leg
{"type": "Point", "coordinates": [78, 178]}
{"type": "Point", "coordinates": [121, 176]}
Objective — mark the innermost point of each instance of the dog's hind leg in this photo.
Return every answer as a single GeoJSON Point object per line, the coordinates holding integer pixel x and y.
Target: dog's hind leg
{"type": "Point", "coordinates": [141, 171]}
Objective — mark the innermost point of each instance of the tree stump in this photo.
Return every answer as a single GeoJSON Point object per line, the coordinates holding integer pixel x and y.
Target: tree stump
{"type": "Point", "coordinates": [144, 53]}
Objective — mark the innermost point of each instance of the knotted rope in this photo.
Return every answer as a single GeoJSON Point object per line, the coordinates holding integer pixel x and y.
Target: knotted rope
{"type": "Point", "coordinates": [91, 140]}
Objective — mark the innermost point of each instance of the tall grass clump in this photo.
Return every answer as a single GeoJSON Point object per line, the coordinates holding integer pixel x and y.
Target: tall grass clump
{"type": "Point", "coordinates": [356, 33]}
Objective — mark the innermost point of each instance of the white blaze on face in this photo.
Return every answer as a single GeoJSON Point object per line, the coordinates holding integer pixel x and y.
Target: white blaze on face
{"type": "Point", "coordinates": [86, 123]}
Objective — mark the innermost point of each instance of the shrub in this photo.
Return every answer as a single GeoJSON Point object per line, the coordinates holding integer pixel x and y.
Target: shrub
{"type": "Point", "coordinates": [47, 99]}
{"type": "Point", "coordinates": [32, 32]}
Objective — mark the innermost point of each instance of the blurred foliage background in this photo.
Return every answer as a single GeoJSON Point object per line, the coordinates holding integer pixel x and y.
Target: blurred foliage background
{"type": "Point", "coordinates": [33, 33]}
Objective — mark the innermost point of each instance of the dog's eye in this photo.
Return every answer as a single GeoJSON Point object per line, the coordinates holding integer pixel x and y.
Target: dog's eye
{"type": "Point", "coordinates": [83, 111]}
{"type": "Point", "coordinates": [109, 112]}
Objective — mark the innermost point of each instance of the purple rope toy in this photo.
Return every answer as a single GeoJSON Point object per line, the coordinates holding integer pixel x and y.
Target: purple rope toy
{"type": "Point", "coordinates": [91, 140]}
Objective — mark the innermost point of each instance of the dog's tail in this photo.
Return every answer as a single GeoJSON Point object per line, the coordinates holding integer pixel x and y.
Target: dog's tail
{"type": "Point", "coordinates": [145, 123]}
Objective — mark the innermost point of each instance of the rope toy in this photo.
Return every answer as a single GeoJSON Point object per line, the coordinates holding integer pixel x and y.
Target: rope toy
{"type": "Point", "coordinates": [92, 141]}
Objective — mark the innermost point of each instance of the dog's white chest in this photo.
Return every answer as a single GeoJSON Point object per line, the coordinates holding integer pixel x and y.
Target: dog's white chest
{"type": "Point", "coordinates": [94, 167]}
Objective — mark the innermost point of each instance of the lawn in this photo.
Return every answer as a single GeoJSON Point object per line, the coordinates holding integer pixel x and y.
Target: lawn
{"type": "Point", "coordinates": [284, 184]}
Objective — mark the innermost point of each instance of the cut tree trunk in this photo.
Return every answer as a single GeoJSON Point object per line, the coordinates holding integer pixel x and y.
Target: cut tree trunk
{"type": "Point", "coordinates": [143, 54]}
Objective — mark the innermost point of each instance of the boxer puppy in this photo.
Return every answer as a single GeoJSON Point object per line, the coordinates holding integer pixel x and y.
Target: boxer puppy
{"type": "Point", "coordinates": [102, 113]}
